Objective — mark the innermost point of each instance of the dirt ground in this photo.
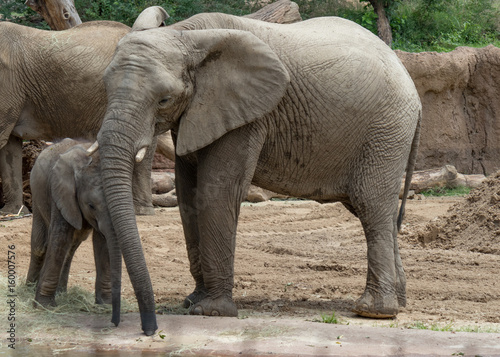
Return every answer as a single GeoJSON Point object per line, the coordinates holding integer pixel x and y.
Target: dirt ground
{"type": "Point", "coordinates": [302, 259]}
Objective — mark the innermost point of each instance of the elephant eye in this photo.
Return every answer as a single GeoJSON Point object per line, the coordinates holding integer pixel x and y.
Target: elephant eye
{"type": "Point", "coordinates": [91, 206]}
{"type": "Point", "coordinates": [164, 101]}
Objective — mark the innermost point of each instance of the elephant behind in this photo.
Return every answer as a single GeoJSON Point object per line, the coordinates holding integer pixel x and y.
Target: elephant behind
{"type": "Point", "coordinates": [68, 204]}
{"type": "Point", "coordinates": [51, 88]}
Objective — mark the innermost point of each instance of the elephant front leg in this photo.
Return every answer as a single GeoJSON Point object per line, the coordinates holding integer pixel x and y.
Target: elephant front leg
{"type": "Point", "coordinates": [185, 182]}
{"type": "Point", "coordinates": [78, 238]}
{"type": "Point", "coordinates": [103, 269]}
{"type": "Point", "coordinates": [11, 157]}
{"type": "Point", "coordinates": [225, 170]}
{"type": "Point", "coordinates": [218, 208]}
{"type": "Point", "coordinates": [58, 245]}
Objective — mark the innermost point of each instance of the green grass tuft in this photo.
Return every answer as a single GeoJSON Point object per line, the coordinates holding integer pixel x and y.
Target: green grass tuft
{"type": "Point", "coordinates": [449, 327]}
{"type": "Point", "coordinates": [330, 319]}
{"type": "Point", "coordinates": [446, 191]}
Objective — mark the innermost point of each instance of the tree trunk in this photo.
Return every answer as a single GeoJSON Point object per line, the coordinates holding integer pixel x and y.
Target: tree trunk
{"type": "Point", "coordinates": [446, 176]}
{"type": "Point", "coordinates": [383, 25]}
{"type": "Point", "coordinates": [59, 14]}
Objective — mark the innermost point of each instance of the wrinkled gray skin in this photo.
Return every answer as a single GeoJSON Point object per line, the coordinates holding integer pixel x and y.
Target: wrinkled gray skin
{"type": "Point", "coordinates": [321, 109]}
{"type": "Point", "coordinates": [69, 204]}
{"type": "Point", "coordinates": [50, 88]}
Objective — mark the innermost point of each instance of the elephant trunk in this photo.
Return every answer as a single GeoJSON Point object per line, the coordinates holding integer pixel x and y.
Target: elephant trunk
{"type": "Point", "coordinates": [116, 150]}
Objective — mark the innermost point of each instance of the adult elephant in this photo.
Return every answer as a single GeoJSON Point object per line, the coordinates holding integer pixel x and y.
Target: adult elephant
{"type": "Point", "coordinates": [50, 88]}
{"type": "Point", "coordinates": [320, 109]}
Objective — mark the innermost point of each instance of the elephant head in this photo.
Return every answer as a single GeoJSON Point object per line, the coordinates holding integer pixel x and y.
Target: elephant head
{"type": "Point", "coordinates": [76, 189]}
{"type": "Point", "coordinates": [199, 83]}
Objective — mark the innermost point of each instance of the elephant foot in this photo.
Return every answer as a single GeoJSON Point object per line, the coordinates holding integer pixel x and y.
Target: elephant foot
{"type": "Point", "coordinates": [221, 306]}
{"type": "Point", "coordinates": [103, 299]}
{"type": "Point", "coordinates": [144, 210]}
{"type": "Point", "coordinates": [376, 306]}
{"type": "Point", "coordinates": [14, 209]}
{"type": "Point", "coordinates": [45, 301]}
{"type": "Point", "coordinates": [195, 297]}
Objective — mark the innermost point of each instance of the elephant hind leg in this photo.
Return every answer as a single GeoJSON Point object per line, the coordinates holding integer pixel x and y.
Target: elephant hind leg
{"type": "Point", "coordinates": [385, 288]}
{"type": "Point", "coordinates": [38, 248]}
{"type": "Point", "coordinates": [380, 299]}
{"type": "Point", "coordinates": [400, 278]}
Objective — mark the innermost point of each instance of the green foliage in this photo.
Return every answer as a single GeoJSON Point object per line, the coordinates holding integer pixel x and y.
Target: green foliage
{"type": "Point", "coordinates": [417, 25]}
{"type": "Point", "coordinates": [121, 11]}
{"type": "Point", "coordinates": [446, 191]}
{"type": "Point", "coordinates": [442, 25]}
{"type": "Point", "coordinates": [16, 11]}
{"type": "Point", "coordinates": [182, 9]}
{"type": "Point", "coordinates": [126, 11]}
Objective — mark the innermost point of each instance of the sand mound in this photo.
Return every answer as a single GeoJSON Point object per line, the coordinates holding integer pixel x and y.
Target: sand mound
{"type": "Point", "coordinates": [472, 225]}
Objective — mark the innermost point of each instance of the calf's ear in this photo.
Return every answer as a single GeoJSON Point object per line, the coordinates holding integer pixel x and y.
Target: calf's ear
{"type": "Point", "coordinates": [63, 190]}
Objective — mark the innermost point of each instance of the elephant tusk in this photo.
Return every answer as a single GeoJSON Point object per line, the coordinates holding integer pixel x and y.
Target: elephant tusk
{"type": "Point", "coordinates": [140, 154]}
{"type": "Point", "coordinates": [93, 148]}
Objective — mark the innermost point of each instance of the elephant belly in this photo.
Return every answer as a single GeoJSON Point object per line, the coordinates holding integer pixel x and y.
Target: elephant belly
{"type": "Point", "coordinates": [317, 169]}
{"type": "Point", "coordinates": [28, 127]}
{"type": "Point", "coordinates": [314, 184]}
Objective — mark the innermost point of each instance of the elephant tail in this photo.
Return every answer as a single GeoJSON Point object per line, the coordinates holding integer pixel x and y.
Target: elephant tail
{"type": "Point", "coordinates": [409, 169]}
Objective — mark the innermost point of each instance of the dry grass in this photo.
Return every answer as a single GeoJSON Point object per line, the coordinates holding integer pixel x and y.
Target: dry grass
{"type": "Point", "coordinates": [32, 317]}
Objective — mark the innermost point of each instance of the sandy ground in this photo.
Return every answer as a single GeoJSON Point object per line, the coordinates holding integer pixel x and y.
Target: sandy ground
{"type": "Point", "coordinates": [299, 260]}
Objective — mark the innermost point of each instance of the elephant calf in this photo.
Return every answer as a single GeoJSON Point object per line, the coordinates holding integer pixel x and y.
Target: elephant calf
{"type": "Point", "coordinates": [68, 203]}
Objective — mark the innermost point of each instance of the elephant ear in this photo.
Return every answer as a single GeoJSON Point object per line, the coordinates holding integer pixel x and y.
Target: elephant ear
{"type": "Point", "coordinates": [151, 17]}
{"type": "Point", "coordinates": [238, 79]}
{"type": "Point", "coordinates": [63, 186]}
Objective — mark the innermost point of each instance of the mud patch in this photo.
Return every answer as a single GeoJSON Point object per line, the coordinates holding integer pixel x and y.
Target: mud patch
{"type": "Point", "coordinates": [472, 224]}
